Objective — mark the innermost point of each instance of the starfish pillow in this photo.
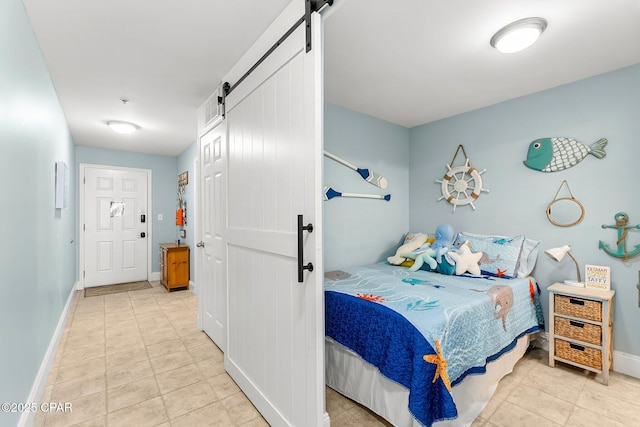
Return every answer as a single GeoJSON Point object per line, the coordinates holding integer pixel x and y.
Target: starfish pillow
{"type": "Point", "coordinates": [466, 260]}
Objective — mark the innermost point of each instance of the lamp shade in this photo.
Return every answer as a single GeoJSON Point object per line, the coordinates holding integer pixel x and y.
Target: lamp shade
{"type": "Point", "coordinates": [518, 35]}
{"type": "Point", "coordinates": [558, 253]}
{"type": "Point", "coordinates": [122, 127]}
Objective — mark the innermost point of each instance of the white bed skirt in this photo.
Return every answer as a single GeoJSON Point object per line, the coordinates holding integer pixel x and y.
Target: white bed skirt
{"type": "Point", "coordinates": [348, 374]}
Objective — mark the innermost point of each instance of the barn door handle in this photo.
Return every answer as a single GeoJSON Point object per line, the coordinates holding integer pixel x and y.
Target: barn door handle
{"type": "Point", "coordinates": [301, 267]}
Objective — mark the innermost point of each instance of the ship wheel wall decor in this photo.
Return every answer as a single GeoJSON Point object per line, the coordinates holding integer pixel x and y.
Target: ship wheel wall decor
{"type": "Point", "coordinates": [461, 185]}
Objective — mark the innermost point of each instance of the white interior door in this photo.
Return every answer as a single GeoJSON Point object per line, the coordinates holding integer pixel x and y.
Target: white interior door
{"type": "Point", "coordinates": [211, 280]}
{"type": "Point", "coordinates": [276, 324]}
{"type": "Point", "coordinates": [115, 236]}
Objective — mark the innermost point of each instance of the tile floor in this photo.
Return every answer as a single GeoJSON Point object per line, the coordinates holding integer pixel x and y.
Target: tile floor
{"type": "Point", "coordinates": [132, 359]}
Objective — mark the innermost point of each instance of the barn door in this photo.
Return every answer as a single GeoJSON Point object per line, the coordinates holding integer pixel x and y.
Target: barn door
{"type": "Point", "coordinates": [276, 323]}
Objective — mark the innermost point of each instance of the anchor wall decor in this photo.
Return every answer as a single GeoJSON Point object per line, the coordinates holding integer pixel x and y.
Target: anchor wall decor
{"type": "Point", "coordinates": [622, 225]}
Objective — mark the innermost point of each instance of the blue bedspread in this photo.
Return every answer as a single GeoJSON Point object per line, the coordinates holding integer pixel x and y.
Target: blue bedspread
{"type": "Point", "coordinates": [393, 317]}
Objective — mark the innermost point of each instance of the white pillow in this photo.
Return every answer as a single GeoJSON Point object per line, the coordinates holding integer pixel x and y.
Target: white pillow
{"type": "Point", "coordinates": [528, 254]}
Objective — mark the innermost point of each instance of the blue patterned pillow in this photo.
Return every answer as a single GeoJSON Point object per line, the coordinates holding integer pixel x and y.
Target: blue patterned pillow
{"type": "Point", "coordinates": [500, 254]}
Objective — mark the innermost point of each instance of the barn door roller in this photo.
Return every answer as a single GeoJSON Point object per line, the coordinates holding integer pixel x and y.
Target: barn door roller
{"type": "Point", "coordinates": [310, 6]}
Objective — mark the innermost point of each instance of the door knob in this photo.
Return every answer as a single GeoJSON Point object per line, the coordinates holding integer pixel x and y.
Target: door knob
{"type": "Point", "coordinates": [200, 244]}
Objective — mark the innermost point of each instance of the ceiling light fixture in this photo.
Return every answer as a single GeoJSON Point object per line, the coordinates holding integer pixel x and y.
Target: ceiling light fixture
{"type": "Point", "coordinates": [518, 35]}
{"type": "Point", "coordinates": [122, 127]}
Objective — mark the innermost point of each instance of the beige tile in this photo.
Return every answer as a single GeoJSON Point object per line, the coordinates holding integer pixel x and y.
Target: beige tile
{"type": "Point", "coordinates": [211, 367]}
{"type": "Point", "coordinates": [505, 387]}
{"type": "Point", "coordinates": [478, 422]}
{"type": "Point", "coordinates": [556, 410]}
{"type": "Point", "coordinates": [125, 357]}
{"type": "Point", "coordinates": [581, 417]}
{"type": "Point", "coordinates": [608, 406]}
{"type": "Point", "coordinates": [204, 351]}
{"type": "Point", "coordinates": [620, 387]}
{"type": "Point", "coordinates": [256, 422]}
{"type": "Point", "coordinates": [199, 395]}
{"type": "Point", "coordinates": [159, 336]}
{"type": "Point", "coordinates": [88, 339]}
{"type": "Point", "coordinates": [336, 403]}
{"type": "Point", "coordinates": [165, 347]}
{"type": "Point", "coordinates": [213, 415]}
{"type": "Point", "coordinates": [72, 356]}
{"type": "Point", "coordinates": [124, 374]}
{"type": "Point", "coordinates": [148, 413]}
{"type": "Point", "coordinates": [562, 381]}
{"type": "Point", "coordinates": [240, 409]}
{"type": "Point", "coordinates": [111, 318]}
{"type": "Point", "coordinates": [119, 345]}
{"type": "Point", "coordinates": [100, 421]}
{"type": "Point", "coordinates": [170, 361]}
{"type": "Point", "coordinates": [509, 415]}
{"type": "Point", "coordinates": [195, 340]}
{"type": "Point", "coordinates": [178, 378]}
{"type": "Point", "coordinates": [82, 409]}
{"type": "Point", "coordinates": [131, 393]}
{"type": "Point", "coordinates": [223, 386]}
{"type": "Point", "coordinates": [88, 368]}
{"type": "Point", "coordinates": [83, 386]}
{"type": "Point", "coordinates": [122, 333]}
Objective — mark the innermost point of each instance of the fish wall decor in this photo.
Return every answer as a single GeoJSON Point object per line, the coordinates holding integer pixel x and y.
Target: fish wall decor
{"type": "Point", "coordinates": [556, 154]}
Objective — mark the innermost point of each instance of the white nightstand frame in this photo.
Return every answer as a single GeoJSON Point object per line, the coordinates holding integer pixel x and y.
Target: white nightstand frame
{"type": "Point", "coordinates": [606, 299]}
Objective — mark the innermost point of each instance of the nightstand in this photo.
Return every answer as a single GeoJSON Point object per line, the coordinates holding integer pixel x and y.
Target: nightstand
{"type": "Point", "coordinates": [580, 329]}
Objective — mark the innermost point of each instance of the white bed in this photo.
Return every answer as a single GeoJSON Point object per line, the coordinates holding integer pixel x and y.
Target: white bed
{"type": "Point", "coordinates": [348, 374]}
{"type": "Point", "coordinates": [373, 357]}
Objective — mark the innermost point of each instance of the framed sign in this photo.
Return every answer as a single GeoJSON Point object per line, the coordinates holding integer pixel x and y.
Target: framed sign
{"type": "Point", "coordinates": [62, 185]}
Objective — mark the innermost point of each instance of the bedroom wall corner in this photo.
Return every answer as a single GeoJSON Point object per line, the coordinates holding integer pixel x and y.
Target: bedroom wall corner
{"type": "Point", "coordinates": [363, 231]}
{"type": "Point", "coordinates": [496, 138]}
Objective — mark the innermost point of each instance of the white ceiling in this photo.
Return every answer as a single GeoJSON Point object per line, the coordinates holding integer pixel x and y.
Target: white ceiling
{"type": "Point", "coordinates": [405, 61]}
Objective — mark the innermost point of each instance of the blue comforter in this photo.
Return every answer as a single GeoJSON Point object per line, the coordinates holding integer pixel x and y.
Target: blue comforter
{"type": "Point", "coordinates": [397, 320]}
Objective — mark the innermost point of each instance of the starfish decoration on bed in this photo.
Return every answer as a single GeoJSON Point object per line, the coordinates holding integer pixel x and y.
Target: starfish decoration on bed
{"type": "Point", "coordinates": [466, 260]}
{"type": "Point", "coordinates": [441, 366]}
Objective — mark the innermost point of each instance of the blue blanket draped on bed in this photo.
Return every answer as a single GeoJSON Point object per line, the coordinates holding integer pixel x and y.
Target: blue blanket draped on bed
{"type": "Point", "coordinates": [392, 317]}
{"type": "Point", "coordinates": [358, 324]}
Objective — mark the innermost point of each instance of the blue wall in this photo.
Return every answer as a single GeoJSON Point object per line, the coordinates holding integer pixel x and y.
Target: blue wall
{"type": "Point", "coordinates": [362, 231]}
{"type": "Point", "coordinates": [37, 257]}
{"type": "Point", "coordinates": [185, 164]}
{"type": "Point", "coordinates": [164, 178]}
{"type": "Point", "coordinates": [497, 138]}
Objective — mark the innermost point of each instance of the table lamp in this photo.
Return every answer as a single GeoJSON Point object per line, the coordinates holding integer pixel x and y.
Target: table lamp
{"type": "Point", "coordinates": [557, 254]}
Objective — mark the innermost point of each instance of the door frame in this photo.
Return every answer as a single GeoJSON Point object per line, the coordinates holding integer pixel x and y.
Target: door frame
{"type": "Point", "coordinates": [81, 222]}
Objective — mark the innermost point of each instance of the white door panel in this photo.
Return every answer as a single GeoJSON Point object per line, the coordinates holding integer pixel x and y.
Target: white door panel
{"type": "Point", "coordinates": [114, 251]}
{"type": "Point", "coordinates": [211, 254]}
{"type": "Point", "coordinates": [273, 170]}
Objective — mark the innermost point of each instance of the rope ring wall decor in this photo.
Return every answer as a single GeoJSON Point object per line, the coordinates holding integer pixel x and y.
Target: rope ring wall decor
{"type": "Point", "coordinates": [461, 185]}
{"type": "Point", "coordinates": [566, 199]}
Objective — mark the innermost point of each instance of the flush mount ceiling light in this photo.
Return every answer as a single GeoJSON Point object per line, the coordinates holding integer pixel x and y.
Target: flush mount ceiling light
{"type": "Point", "coordinates": [518, 35]}
{"type": "Point", "coordinates": [122, 127]}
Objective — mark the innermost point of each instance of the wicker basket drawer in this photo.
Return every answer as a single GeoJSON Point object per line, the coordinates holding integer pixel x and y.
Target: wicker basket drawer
{"type": "Point", "coordinates": [580, 354]}
{"type": "Point", "coordinates": [578, 307]}
{"type": "Point", "coordinates": [576, 330]}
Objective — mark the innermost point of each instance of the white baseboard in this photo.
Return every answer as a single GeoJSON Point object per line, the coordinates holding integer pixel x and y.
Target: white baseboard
{"type": "Point", "coordinates": [627, 364]}
{"type": "Point", "coordinates": [155, 276]}
{"type": "Point", "coordinates": [193, 288]}
{"type": "Point", "coordinates": [326, 422]}
{"type": "Point", "coordinates": [623, 363]}
{"type": "Point", "coordinates": [37, 389]}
